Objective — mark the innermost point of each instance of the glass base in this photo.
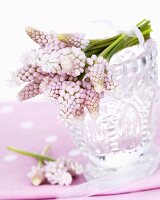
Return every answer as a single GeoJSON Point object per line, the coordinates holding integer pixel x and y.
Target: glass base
{"type": "Point", "coordinates": [145, 165]}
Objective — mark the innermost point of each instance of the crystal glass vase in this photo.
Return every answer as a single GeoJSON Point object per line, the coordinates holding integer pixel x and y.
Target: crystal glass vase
{"type": "Point", "coordinates": [119, 142]}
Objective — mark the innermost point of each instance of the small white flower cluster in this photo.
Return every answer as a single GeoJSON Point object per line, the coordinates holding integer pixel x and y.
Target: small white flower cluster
{"type": "Point", "coordinates": [69, 60]}
{"type": "Point", "coordinates": [61, 172]}
{"type": "Point", "coordinates": [72, 61]}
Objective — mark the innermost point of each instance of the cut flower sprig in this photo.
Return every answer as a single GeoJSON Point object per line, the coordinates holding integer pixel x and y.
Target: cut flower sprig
{"type": "Point", "coordinates": [70, 70]}
{"type": "Point", "coordinates": [55, 171]}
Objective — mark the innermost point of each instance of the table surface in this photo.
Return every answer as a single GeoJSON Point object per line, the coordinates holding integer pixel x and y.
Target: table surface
{"type": "Point", "coordinates": [30, 126]}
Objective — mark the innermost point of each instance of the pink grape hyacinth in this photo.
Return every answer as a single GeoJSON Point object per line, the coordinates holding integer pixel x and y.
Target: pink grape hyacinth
{"type": "Point", "coordinates": [61, 70]}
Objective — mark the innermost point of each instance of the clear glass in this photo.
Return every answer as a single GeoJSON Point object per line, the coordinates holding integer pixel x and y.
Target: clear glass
{"type": "Point", "coordinates": [119, 141]}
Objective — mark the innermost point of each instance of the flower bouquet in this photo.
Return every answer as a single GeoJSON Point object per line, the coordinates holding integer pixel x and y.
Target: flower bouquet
{"type": "Point", "coordinates": [106, 91]}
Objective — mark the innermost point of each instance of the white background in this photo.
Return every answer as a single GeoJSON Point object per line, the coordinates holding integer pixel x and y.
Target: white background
{"type": "Point", "coordinates": [62, 16]}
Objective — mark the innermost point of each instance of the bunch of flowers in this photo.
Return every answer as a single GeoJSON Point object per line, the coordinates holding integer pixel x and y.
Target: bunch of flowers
{"type": "Point", "coordinates": [60, 171]}
{"type": "Point", "coordinates": [71, 70]}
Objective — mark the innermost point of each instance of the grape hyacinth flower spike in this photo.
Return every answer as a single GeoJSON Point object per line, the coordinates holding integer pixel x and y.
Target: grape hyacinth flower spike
{"type": "Point", "coordinates": [71, 100]}
{"type": "Point", "coordinates": [30, 90]}
{"type": "Point", "coordinates": [49, 41]}
{"type": "Point", "coordinates": [99, 73]}
{"type": "Point", "coordinates": [74, 39]}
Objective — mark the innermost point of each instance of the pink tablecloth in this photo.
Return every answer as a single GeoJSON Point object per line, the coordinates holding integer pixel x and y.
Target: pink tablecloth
{"type": "Point", "coordinates": [30, 126]}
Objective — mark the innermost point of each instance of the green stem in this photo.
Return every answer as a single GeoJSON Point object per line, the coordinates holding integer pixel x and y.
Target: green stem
{"type": "Point", "coordinates": [89, 47]}
{"type": "Point", "coordinates": [104, 45]}
{"type": "Point", "coordinates": [141, 22]}
{"type": "Point", "coordinates": [117, 48]}
{"type": "Point", "coordinates": [143, 26]}
{"type": "Point", "coordinates": [107, 39]}
{"type": "Point", "coordinates": [94, 40]}
{"type": "Point", "coordinates": [100, 41]}
{"type": "Point", "coordinates": [30, 154]}
{"type": "Point", "coordinates": [103, 54]}
{"type": "Point", "coordinates": [94, 51]}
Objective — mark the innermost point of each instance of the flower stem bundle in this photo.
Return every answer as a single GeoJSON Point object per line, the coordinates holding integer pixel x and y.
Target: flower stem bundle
{"type": "Point", "coordinates": [71, 70]}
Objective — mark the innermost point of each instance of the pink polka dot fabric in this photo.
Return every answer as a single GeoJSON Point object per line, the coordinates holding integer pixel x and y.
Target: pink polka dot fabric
{"type": "Point", "coordinates": [30, 126]}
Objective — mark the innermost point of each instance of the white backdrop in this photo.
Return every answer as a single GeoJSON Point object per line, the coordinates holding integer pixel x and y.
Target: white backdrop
{"type": "Point", "coordinates": [62, 16]}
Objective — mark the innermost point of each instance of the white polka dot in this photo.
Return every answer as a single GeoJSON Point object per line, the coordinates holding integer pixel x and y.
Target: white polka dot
{"type": "Point", "coordinates": [27, 124]}
{"type": "Point", "coordinates": [7, 109]}
{"type": "Point", "coordinates": [74, 152]}
{"type": "Point", "coordinates": [51, 138]}
{"type": "Point", "coordinates": [10, 157]}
